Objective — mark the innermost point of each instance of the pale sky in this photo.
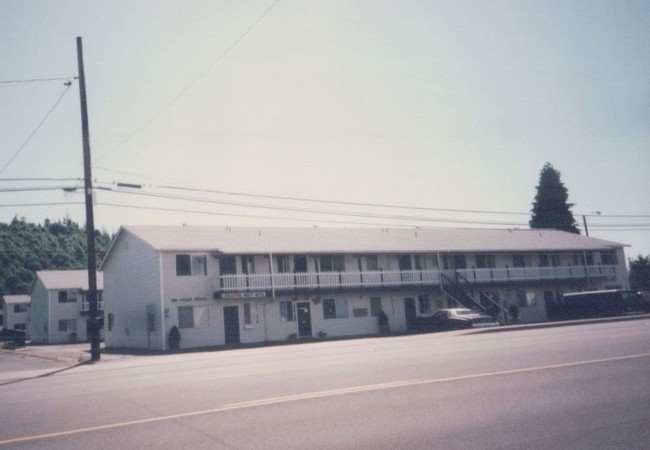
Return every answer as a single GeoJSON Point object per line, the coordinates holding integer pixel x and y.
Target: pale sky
{"type": "Point", "coordinates": [451, 105]}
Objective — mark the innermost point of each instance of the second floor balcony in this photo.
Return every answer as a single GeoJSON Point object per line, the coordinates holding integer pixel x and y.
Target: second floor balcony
{"type": "Point", "coordinates": [311, 281]}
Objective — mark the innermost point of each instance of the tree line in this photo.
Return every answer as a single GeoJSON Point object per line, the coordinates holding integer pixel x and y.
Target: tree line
{"type": "Point", "coordinates": [53, 245]}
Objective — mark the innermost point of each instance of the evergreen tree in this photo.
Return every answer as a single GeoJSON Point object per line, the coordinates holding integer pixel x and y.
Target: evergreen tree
{"type": "Point", "coordinates": [640, 273]}
{"type": "Point", "coordinates": [551, 208]}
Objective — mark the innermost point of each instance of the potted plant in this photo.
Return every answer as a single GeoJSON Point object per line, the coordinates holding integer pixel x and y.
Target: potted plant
{"type": "Point", "coordinates": [174, 338]}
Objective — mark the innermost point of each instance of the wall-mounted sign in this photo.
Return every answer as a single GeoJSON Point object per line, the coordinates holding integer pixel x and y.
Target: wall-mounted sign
{"type": "Point", "coordinates": [243, 294]}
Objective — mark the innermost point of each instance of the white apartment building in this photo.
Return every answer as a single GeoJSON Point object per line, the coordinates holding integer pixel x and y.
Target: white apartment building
{"type": "Point", "coordinates": [59, 306]}
{"type": "Point", "coordinates": [16, 313]}
{"type": "Point", "coordinates": [222, 285]}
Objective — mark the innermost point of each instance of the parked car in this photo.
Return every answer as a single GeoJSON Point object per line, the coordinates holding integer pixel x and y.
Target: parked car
{"type": "Point", "coordinates": [454, 319]}
{"type": "Point", "coordinates": [12, 338]}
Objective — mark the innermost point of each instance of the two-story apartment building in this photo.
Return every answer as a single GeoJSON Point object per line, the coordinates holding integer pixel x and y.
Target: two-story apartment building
{"type": "Point", "coordinates": [59, 306]}
{"type": "Point", "coordinates": [16, 313]}
{"type": "Point", "coordinates": [222, 285]}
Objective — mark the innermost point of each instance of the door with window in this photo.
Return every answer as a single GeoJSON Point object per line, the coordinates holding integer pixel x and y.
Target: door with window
{"type": "Point", "coordinates": [231, 324]}
{"type": "Point", "coordinates": [304, 319]}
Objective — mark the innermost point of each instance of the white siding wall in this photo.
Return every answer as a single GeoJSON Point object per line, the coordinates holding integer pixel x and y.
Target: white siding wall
{"type": "Point", "coordinates": [38, 315]}
{"type": "Point", "coordinates": [131, 281]}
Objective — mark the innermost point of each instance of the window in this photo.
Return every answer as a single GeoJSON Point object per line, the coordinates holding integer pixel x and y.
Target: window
{"type": "Point", "coordinates": [424, 303]}
{"type": "Point", "coordinates": [543, 261]}
{"type": "Point", "coordinates": [187, 265]}
{"type": "Point", "coordinates": [335, 308]}
{"type": "Point", "coordinates": [608, 258]}
{"type": "Point", "coordinates": [375, 306]}
{"type": "Point", "coordinates": [20, 326]}
{"type": "Point", "coordinates": [227, 265]}
{"type": "Point", "coordinates": [590, 258]}
{"type": "Point", "coordinates": [193, 316]}
{"type": "Point", "coordinates": [67, 297]}
{"type": "Point", "coordinates": [247, 265]}
{"type": "Point", "coordinates": [404, 263]}
{"type": "Point", "coordinates": [372, 263]}
{"type": "Point", "coordinates": [526, 298]}
{"type": "Point", "coordinates": [518, 261]}
{"type": "Point", "coordinates": [484, 261]}
{"type": "Point", "coordinates": [331, 263]}
{"type": "Point", "coordinates": [360, 312]}
{"type": "Point", "coordinates": [68, 325]}
{"type": "Point", "coordinates": [20, 308]}
{"type": "Point", "coordinates": [247, 314]}
{"type": "Point", "coordinates": [286, 311]}
{"type": "Point", "coordinates": [283, 265]}
{"type": "Point", "coordinates": [300, 264]}
{"type": "Point", "coordinates": [555, 260]}
{"type": "Point", "coordinates": [110, 322]}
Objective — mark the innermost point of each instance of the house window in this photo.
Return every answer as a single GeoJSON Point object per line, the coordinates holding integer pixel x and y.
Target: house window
{"type": "Point", "coordinates": [404, 263]}
{"type": "Point", "coordinates": [543, 261]}
{"type": "Point", "coordinates": [360, 312]}
{"type": "Point", "coordinates": [20, 308]}
{"type": "Point", "coordinates": [518, 261]}
{"type": "Point", "coordinates": [526, 298]}
{"type": "Point", "coordinates": [372, 263]}
{"type": "Point", "coordinates": [110, 321]}
{"type": "Point", "coordinates": [68, 325]}
{"type": "Point", "coordinates": [283, 265]}
{"type": "Point", "coordinates": [555, 260]}
{"type": "Point", "coordinates": [286, 311]}
{"type": "Point", "coordinates": [331, 263]}
{"type": "Point", "coordinates": [227, 265]}
{"type": "Point", "coordinates": [425, 304]}
{"type": "Point", "coordinates": [335, 308]}
{"type": "Point", "coordinates": [20, 326]}
{"type": "Point", "coordinates": [300, 264]}
{"type": "Point", "coordinates": [590, 258]}
{"type": "Point", "coordinates": [67, 297]}
{"type": "Point", "coordinates": [485, 261]}
{"type": "Point", "coordinates": [247, 265]}
{"type": "Point", "coordinates": [247, 314]}
{"type": "Point", "coordinates": [608, 258]}
{"type": "Point", "coordinates": [187, 265]}
{"type": "Point", "coordinates": [375, 306]}
{"type": "Point", "coordinates": [193, 316]}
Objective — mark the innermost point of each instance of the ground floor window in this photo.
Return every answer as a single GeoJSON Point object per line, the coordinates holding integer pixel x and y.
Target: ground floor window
{"type": "Point", "coordinates": [20, 326]}
{"type": "Point", "coordinates": [525, 298]}
{"type": "Point", "coordinates": [68, 325]}
{"type": "Point", "coordinates": [193, 316]}
{"type": "Point", "coordinates": [286, 311]}
{"type": "Point", "coordinates": [425, 304]}
{"type": "Point", "coordinates": [335, 308]}
{"type": "Point", "coordinates": [247, 314]}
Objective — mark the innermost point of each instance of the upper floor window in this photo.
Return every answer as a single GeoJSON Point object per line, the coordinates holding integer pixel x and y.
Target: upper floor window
{"type": "Point", "coordinates": [247, 265]}
{"type": "Point", "coordinates": [555, 260]}
{"type": "Point", "coordinates": [191, 265]}
{"type": "Point", "coordinates": [372, 263]}
{"type": "Point", "coordinates": [518, 261]}
{"type": "Point", "coordinates": [608, 258]}
{"type": "Point", "coordinates": [67, 297]}
{"type": "Point", "coordinates": [454, 262]}
{"type": "Point", "coordinates": [331, 263]}
{"type": "Point", "coordinates": [485, 261]}
{"type": "Point", "coordinates": [20, 308]}
{"type": "Point", "coordinates": [283, 265]}
{"type": "Point", "coordinates": [544, 261]}
{"type": "Point", "coordinates": [404, 262]}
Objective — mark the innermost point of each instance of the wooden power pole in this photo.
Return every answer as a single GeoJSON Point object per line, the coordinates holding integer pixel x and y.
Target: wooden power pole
{"type": "Point", "coordinates": [93, 316]}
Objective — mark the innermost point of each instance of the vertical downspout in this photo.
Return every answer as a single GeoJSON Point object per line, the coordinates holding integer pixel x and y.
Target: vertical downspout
{"type": "Point", "coordinates": [272, 277]}
{"type": "Point", "coordinates": [584, 257]}
{"type": "Point", "coordinates": [162, 302]}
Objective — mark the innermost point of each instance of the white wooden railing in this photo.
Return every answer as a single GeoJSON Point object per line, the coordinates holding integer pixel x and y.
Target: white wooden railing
{"type": "Point", "coordinates": [397, 278]}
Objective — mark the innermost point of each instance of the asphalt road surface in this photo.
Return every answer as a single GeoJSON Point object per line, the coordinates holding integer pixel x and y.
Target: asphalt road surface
{"type": "Point", "coordinates": [577, 387]}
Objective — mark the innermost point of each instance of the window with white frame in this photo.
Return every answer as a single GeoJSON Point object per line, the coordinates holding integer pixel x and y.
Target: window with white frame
{"type": "Point", "coordinates": [191, 265]}
{"type": "Point", "coordinates": [67, 296]}
{"type": "Point", "coordinates": [485, 261]}
{"type": "Point", "coordinates": [286, 311]}
{"type": "Point", "coordinates": [372, 263]}
{"type": "Point", "coordinates": [283, 264]}
{"type": "Point", "coordinates": [608, 258]}
{"type": "Point", "coordinates": [20, 326]}
{"type": "Point", "coordinates": [335, 308]}
{"type": "Point", "coordinates": [331, 263]}
{"type": "Point", "coordinates": [526, 298]}
{"type": "Point", "coordinates": [21, 308]}
{"type": "Point", "coordinates": [518, 261]}
{"type": "Point", "coordinates": [193, 316]}
{"type": "Point", "coordinates": [67, 325]}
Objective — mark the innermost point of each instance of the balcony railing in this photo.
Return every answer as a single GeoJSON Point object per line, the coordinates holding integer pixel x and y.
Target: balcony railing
{"type": "Point", "coordinates": [399, 278]}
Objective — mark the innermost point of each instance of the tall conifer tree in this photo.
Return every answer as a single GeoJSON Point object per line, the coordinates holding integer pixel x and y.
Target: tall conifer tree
{"type": "Point", "coordinates": [551, 208]}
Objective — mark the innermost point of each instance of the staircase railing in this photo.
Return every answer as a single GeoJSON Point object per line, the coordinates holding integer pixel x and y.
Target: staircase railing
{"type": "Point", "coordinates": [484, 299]}
{"type": "Point", "coordinates": [456, 293]}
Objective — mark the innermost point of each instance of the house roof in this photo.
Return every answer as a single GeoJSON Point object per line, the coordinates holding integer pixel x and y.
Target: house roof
{"type": "Point", "coordinates": [251, 240]}
{"type": "Point", "coordinates": [68, 279]}
{"type": "Point", "coordinates": [16, 299]}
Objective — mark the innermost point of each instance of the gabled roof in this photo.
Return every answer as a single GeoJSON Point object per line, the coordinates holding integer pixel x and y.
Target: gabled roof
{"type": "Point", "coordinates": [250, 240]}
{"type": "Point", "coordinates": [16, 299]}
{"type": "Point", "coordinates": [68, 279]}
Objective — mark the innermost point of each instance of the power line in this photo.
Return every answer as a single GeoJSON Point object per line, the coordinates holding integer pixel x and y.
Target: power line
{"type": "Point", "coordinates": [37, 126]}
{"type": "Point", "coordinates": [193, 82]}
{"type": "Point", "coordinates": [35, 80]}
{"type": "Point", "coordinates": [16, 205]}
{"type": "Point", "coordinates": [41, 179]}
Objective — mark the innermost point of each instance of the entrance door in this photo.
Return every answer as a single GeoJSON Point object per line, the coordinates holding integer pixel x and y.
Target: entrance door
{"type": "Point", "coordinates": [409, 312]}
{"type": "Point", "coordinates": [304, 319]}
{"type": "Point", "coordinates": [231, 324]}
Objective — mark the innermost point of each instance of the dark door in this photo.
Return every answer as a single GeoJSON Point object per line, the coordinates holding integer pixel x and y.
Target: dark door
{"type": "Point", "coordinates": [409, 312]}
{"type": "Point", "coordinates": [231, 324]}
{"type": "Point", "coordinates": [300, 264]}
{"type": "Point", "coordinates": [304, 319]}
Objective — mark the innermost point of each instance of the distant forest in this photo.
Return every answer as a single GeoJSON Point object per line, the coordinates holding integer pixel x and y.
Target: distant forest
{"type": "Point", "coordinates": [26, 248]}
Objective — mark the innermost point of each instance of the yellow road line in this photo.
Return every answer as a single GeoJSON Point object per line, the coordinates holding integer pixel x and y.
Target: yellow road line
{"type": "Point", "coordinates": [313, 395]}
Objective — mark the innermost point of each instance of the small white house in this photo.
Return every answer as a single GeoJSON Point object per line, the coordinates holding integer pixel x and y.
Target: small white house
{"type": "Point", "coordinates": [222, 285]}
{"type": "Point", "coordinates": [16, 313]}
{"type": "Point", "coordinates": [60, 306]}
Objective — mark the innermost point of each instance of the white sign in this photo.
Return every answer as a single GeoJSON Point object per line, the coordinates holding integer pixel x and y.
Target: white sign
{"type": "Point", "coordinates": [243, 294]}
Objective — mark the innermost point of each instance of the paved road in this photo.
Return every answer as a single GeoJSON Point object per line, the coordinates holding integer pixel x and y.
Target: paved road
{"type": "Point", "coordinates": [571, 387]}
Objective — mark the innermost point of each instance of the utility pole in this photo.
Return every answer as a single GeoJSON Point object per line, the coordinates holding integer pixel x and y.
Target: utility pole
{"type": "Point", "coordinates": [93, 317]}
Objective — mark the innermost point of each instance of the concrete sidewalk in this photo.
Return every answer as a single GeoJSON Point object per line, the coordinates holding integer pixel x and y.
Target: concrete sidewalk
{"type": "Point", "coordinates": [66, 353]}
